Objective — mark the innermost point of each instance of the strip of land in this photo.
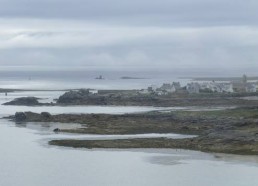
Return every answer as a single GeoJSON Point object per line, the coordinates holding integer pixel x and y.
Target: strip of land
{"type": "Point", "coordinates": [228, 131]}
{"type": "Point", "coordinates": [220, 78]}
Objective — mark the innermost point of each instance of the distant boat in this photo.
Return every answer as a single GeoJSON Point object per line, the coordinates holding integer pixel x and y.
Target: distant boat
{"type": "Point", "coordinates": [100, 77]}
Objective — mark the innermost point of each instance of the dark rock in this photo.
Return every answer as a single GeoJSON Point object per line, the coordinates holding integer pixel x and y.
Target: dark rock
{"type": "Point", "coordinates": [46, 114]}
{"type": "Point", "coordinates": [82, 97]}
{"type": "Point", "coordinates": [72, 96]}
{"type": "Point", "coordinates": [27, 101]}
{"type": "Point", "coordinates": [56, 130]}
{"type": "Point", "coordinates": [20, 116]}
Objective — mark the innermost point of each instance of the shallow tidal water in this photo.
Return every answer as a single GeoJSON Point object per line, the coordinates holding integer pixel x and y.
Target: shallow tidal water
{"type": "Point", "coordinates": [26, 159]}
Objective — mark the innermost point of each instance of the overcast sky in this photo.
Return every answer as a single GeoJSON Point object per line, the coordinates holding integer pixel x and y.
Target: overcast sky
{"type": "Point", "coordinates": [129, 33]}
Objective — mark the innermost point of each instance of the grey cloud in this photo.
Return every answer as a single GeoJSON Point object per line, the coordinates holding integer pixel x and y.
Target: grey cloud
{"type": "Point", "coordinates": [156, 55]}
{"type": "Point", "coordinates": [162, 12]}
{"type": "Point", "coordinates": [165, 33]}
{"type": "Point", "coordinates": [96, 36]}
{"type": "Point", "coordinates": [212, 47]}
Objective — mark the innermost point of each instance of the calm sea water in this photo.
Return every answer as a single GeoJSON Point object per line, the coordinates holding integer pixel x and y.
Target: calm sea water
{"type": "Point", "coordinates": [83, 78]}
{"type": "Point", "coordinates": [27, 160]}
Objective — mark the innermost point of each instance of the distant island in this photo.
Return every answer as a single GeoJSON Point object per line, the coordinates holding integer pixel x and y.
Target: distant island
{"type": "Point", "coordinates": [128, 77]}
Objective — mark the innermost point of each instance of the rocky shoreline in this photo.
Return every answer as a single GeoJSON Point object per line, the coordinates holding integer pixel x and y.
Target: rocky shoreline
{"type": "Point", "coordinates": [132, 98]}
{"type": "Point", "coordinates": [228, 131]}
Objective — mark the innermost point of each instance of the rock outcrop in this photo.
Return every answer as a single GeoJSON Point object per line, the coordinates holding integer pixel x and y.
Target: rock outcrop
{"type": "Point", "coordinates": [46, 114]}
{"type": "Point", "coordinates": [20, 116]}
{"type": "Point", "coordinates": [25, 101]}
{"type": "Point", "coordinates": [73, 96]}
{"type": "Point", "coordinates": [31, 116]}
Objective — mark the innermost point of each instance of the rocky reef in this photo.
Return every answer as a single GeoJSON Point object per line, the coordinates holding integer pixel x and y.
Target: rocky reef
{"type": "Point", "coordinates": [228, 131]}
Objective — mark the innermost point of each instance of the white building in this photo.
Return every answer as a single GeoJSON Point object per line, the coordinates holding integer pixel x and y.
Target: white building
{"type": "Point", "coordinates": [217, 87]}
{"type": "Point", "coordinates": [251, 88]}
{"type": "Point", "coordinates": [169, 88]}
{"type": "Point", "coordinates": [228, 88]}
{"type": "Point", "coordinates": [193, 88]}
